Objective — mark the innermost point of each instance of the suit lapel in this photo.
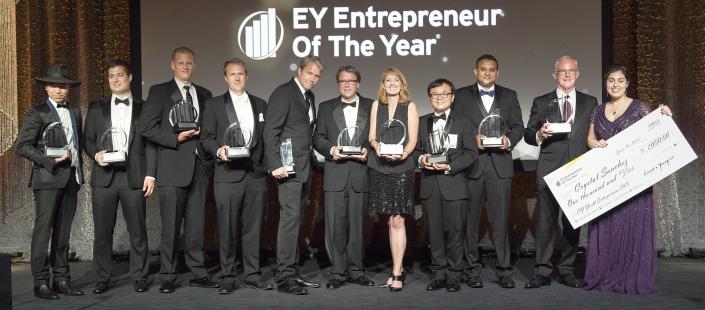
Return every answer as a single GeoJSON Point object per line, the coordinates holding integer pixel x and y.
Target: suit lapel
{"type": "Point", "coordinates": [105, 109]}
{"type": "Point", "coordinates": [134, 120]}
{"type": "Point", "coordinates": [255, 121]}
{"type": "Point", "coordinates": [230, 109]}
{"type": "Point", "coordinates": [362, 114]}
{"type": "Point", "coordinates": [580, 108]}
{"type": "Point", "coordinates": [339, 115]}
{"type": "Point", "coordinates": [475, 95]}
{"type": "Point", "coordinates": [495, 100]}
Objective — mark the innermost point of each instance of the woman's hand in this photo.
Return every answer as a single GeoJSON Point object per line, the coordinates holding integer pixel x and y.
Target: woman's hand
{"type": "Point", "coordinates": [665, 110]}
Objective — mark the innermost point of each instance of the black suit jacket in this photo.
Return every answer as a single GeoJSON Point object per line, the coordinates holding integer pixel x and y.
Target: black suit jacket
{"type": "Point", "coordinates": [30, 145]}
{"type": "Point", "coordinates": [287, 117]}
{"type": "Point", "coordinates": [141, 155]}
{"type": "Point", "coordinates": [559, 149]}
{"type": "Point", "coordinates": [175, 161]}
{"type": "Point", "coordinates": [469, 104]}
{"type": "Point", "coordinates": [219, 114]}
{"type": "Point", "coordinates": [461, 157]}
{"type": "Point", "coordinates": [329, 123]}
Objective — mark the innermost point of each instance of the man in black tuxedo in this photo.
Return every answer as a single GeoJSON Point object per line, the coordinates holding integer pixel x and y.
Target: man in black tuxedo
{"type": "Point", "coordinates": [55, 181]}
{"type": "Point", "coordinates": [491, 174]}
{"type": "Point", "coordinates": [345, 178]}
{"type": "Point", "coordinates": [291, 115]}
{"type": "Point", "coordinates": [444, 194]}
{"type": "Point", "coordinates": [557, 150]}
{"type": "Point", "coordinates": [240, 183]}
{"type": "Point", "coordinates": [184, 170]}
{"type": "Point", "coordinates": [128, 183]}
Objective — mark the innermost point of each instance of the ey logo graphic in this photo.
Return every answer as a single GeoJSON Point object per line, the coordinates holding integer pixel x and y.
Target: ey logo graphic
{"type": "Point", "coordinates": [263, 34]}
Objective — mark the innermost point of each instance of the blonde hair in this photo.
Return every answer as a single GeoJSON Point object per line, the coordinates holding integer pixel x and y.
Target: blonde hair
{"type": "Point", "coordinates": [404, 96]}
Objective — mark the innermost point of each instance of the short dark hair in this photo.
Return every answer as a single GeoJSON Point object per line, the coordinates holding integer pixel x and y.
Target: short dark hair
{"type": "Point", "coordinates": [182, 50]}
{"type": "Point", "coordinates": [486, 57]}
{"type": "Point", "coordinates": [440, 82]}
{"type": "Point", "coordinates": [349, 69]}
{"type": "Point", "coordinates": [616, 68]}
{"type": "Point", "coordinates": [234, 61]}
{"type": "Point", "coordinates": [120, 63]}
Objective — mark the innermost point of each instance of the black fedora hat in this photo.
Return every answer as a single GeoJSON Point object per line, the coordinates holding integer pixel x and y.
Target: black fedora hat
{"type": "Point", "coordinates": [59, 74]}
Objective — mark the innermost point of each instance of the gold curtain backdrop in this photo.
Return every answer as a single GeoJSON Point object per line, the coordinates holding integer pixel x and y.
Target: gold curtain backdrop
{"type": "Point", "coordinates": [661, 42]}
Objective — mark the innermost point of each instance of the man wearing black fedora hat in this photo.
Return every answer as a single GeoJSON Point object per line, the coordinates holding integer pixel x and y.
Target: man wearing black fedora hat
{"type": "Point", "coordinates": [55, 180]}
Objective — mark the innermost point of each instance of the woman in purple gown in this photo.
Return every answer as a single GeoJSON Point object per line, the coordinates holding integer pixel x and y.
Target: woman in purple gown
{"type": "Point", "coordinates": [621, 243]}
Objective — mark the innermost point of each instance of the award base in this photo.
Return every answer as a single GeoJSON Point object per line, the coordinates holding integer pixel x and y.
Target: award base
{"type": "Point", "coordinates": [492, 141]}
{"type": "Point", "coordinates": [391, 149]}
{"type": "Point", "coordinates": [237, 152]}
{"type": "Point", "coordinates": [114, 157]}
{"type": "Point", "coordinates": [559, 127]}
{"type": "Point", "coordinates": [185, 126]}
{"type": "Point", "coordinates": [437, 159]}
{"type": "Point", "coordinates": [56, 152]}
{"type": "Point", "coordinates": [351, 150]}
{"type": "Point", "coordinates": [290, 170]}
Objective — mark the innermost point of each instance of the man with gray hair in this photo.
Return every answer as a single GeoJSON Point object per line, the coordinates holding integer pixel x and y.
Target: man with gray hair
{"type": "Point", "coordinates": [290, 119]}
{"type": "Point", "coordinates": [557, 149]}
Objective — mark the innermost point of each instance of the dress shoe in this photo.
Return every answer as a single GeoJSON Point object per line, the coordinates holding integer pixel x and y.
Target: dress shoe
{"type": "Point", "coordinates": [397, 278]}
{"type": "Point", "coordinates": [227, 288]}
{"type": "Point", "coordinates": [506, 281]}
{"type": "Point", "coordinates": [362, 281]}
{"type": "Point", "coordinates": [141, 286]}
{"type": "Point", "coordinates": [569, 279]}
{"type": "Point", "coordinates": [203, 282]}
{"type": "Point", "coordinates": [45, 292]}
{"type": "Point", "coordinates": [475, 282]}
{"type": "Point", "coordinates": [303, 283]}
{"type": "Point", "coordinates": [64, 287]}
{"type": "Point", "coordinates": [452, 286]}
{"type": "Point", "coordinates": [538, 281]}
{"type": "Point", "coordinates": [167, 287]}
{"type": "Point", "coordinates": [334, 284]}
{"type": "Point", "coordinates": [291, 287]}
{"type": "Point", "coordinates": [258, 284]}
{"type": "Point", "coordinates": [101, 287]}
{"type": "Point", "coordinates": [436, 284]}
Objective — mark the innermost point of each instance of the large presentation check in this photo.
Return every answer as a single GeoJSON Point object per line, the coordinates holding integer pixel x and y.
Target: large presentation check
{"type": "Point", "coordinates": [635, 159]}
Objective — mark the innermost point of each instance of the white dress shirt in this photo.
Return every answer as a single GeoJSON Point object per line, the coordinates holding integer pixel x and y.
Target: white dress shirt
{"type": "Point", "coordinates": [571, 99]}
{"type": "Point", "coordinates": [121, 117]}
{"type": "Point", "coordinates": [65, 118]}
{"type": "Point", "coordinates": [245, 115]}
{"type": "Point", "coordinates": [303, 93]}
{"type": "Point", "coordinates": [486, 99]}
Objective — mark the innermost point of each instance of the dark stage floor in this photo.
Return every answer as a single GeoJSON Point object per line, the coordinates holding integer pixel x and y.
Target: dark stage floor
{"type": "Point", "coordinates": [681, 282]}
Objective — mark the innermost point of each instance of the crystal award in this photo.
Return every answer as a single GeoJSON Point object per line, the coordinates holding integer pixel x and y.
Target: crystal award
{"type": "Point", "coordinates": [554, 117]}
{"type": "Point", "coordinates": [349, 141]}
{"type": "Point", "coordinates": [237, 141]}
{"type": "Point", "coordinates": [439, 142]}
{"type": "Point", "coordinates": [182, 116]}
{"type": "Point", "coordinates": [391, 138]}
{"type": "Point", "coordinates": [286, 152]}
{"type": "Point", "coordinates": [114, 142]}
{"type": "Point", "coordinates": [491, 130]}
{"type": "Point", "coordinates": [55, 142]}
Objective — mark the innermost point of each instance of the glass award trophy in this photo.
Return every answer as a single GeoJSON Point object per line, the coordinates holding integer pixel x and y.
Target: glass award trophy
{"type": "Point", "coordinates": [349, 141]}
{"type": "Point", "coordinates": [238, 141]}
{"type": "Point", "coordinates": [286, 152]}
{"type": "Point", "coordinates": [391, 138]}
{"type": "Point", "coordinates": [491, 130]}
{"type": "Point", "coordinates": [439, 142]}
{"type": "Point", "coordinates": [114, 141]}
{"type": "Point", "coordinates": [182, 116]}
{"type": "Point", "coordinates": [55, 143]}
{"type": "Point", "coordinates": [554, 117]}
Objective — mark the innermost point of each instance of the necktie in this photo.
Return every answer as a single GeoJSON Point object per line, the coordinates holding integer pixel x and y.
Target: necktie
{"type": "Point", "coordinates": [437, 117]}
{"type": "Point", "coordinates": [309, 99]}
{"type": "Point", "coordinates": [189, 98]}
{"type": "Point", "coordinates": [487, 92]}
{"type": "Point", "coordinates": [125, 101]}
{"type": "Point", "coordinates": [567, 108]}
{"type": "Point", "coordinates": [350, 104]}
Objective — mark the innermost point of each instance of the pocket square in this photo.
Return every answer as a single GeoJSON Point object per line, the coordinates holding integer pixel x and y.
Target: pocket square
{"type": "Point", "coordinates": [261, 117]}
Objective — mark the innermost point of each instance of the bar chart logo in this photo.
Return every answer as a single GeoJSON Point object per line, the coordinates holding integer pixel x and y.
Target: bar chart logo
{"type": "Point", "coordinates": [262, 38]}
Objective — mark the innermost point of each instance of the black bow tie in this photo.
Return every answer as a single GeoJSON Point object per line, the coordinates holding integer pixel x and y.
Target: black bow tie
{"type": "Point", "coordinates": [126, 101]}
{"type": "Point", "coordinates": [349, 104]}
{"type": "Point", "coordinates": [487, 92]}
{"type": "Point", "coordinates": [437, 117]}
{"type": "Point", "coordinates": [62, 105]}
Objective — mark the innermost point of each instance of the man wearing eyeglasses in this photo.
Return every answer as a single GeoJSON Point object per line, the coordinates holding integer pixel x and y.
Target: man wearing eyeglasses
{"type": "Point", "coordinates": [344, 121]}
{"type": "Point", "coordinates": [491, 174]}
{"type": "Point", "coordinates": [557, 150]}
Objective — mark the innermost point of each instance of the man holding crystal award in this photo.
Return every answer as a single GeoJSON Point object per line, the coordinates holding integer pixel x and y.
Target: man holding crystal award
{"type": "Point", "coordinates": [558, 124]}
{"type": "Point", "coordinates": [232, 133]}
{"type": "Point", "coordinates": [445, 148]}
{"type": "Point", "coordinates": [486, 103]}
{"type": "Point", "coordinates": [49, 137]}
{"type": "Point", "coordinates": [341, 133]}
{"type": "Point", "coordinates": [123, 171]}
{"type": "Point", "coordinates": [171, 121]}
{"type": "Point", "coordinates": [291, 115]}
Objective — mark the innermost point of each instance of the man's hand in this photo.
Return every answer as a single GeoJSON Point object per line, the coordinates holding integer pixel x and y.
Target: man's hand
{"type": "Point", "coordinates": [99, 158]}
{"type": "Point", "coordinates": [361, 157]}
{"type": "Point", "coordinates": [423, 162]}
{"type": "Point", "coordinates": [148, 187]}
{"type": "Point", "coordinates": [62, 158]}
{"type": "Point", "coordinates": [544, 133]}
{"type": "Point", "coordinates": [479, 138]}
{"type": "Point", "coordinates": [280, 173]}
{"type": "Point", "coordinates": [222, 153]}
{"type": "Point", "coordinates": [441, 167]}
{"type": "Point", "coordinates": [337, 155]}
{"type": "Point", "coordinates": [185, 135]}
{"type": "Point", "coordinates": [505, 143]}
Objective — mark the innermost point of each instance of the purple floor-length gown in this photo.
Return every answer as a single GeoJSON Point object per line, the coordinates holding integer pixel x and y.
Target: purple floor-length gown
{"type": "Point", "coordinates": [622, 243]}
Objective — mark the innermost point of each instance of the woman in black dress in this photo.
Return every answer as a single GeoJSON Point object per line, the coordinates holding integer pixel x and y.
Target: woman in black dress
{"type": "Point", "coordinates": [392, 177]}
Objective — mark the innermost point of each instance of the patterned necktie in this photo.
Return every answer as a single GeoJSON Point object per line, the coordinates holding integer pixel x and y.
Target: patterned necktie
{"type": "Point", "coordinates": [189, 98]}
{"type": "Point", "coordinates": [567, 108]}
